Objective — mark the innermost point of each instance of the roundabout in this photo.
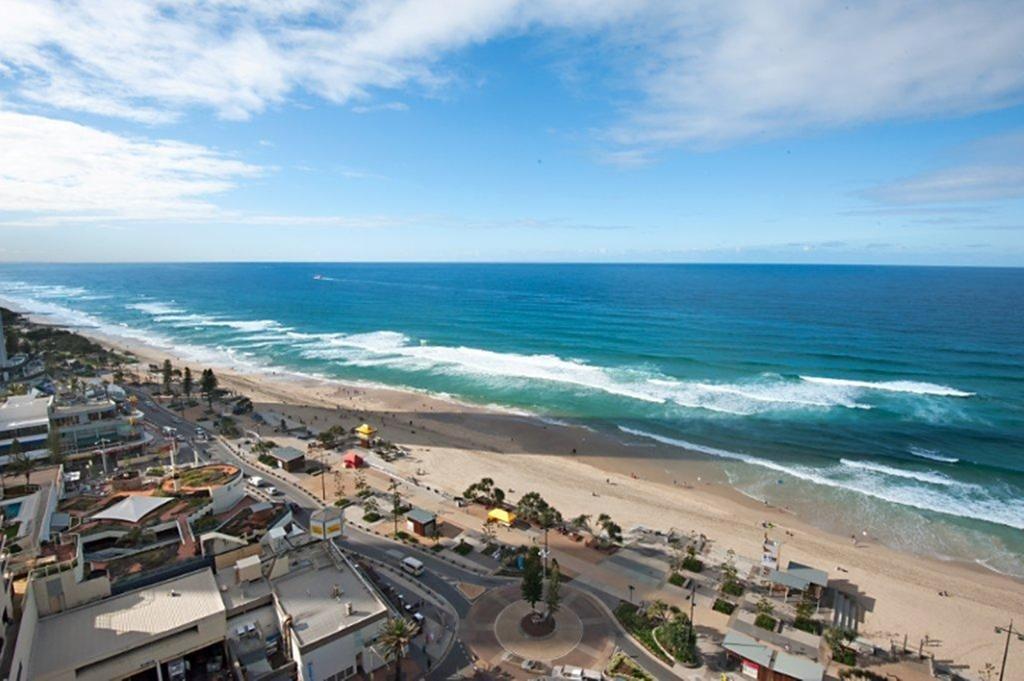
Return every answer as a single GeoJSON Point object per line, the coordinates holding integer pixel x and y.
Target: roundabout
{"type": "Point", "coordinates": [500, 629]}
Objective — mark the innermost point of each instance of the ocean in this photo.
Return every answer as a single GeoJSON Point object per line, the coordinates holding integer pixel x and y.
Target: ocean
{"type": "Point", "coordinates": [888, 398]}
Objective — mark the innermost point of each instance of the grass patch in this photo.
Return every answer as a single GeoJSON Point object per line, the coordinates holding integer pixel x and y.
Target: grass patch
{"type": "Point", "coordinates": [156, 471]}
{"type": "Point", "coordinates": [677, 579]}
{"type": "Point", "coordinates": [371, 517]}
{"type": "Point", "coordinates": [437, 548]}
{"type": "Point", "coordinates": [267, 460]}
{"type": "Point", "coordinates": [766, 622]}
{"type": "Point", "coordinates": [342, 502]}
{"type": "Point", "coordinates": [808, 625]}
{"type": "Point", "coordinates": [636, 623]}
{"type": "Point", "coordinates": [463, 549]}
{"type": "Point", "coordinates": [845, 656]}
{"type": "Point", "coordinates": [723, 606]}
{"type": "Point", "coordinates": [205, 524]}
{"type": "Point", "coordinates": [733, 589]}
{"type": "Point", "coordinates": [693, 564]}
{"type": "Point", "coordinates": [621, 666]}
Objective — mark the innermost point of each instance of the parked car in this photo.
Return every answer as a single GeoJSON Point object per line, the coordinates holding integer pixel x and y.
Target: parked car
{"type": "Point", "coordinates": [534, 666]}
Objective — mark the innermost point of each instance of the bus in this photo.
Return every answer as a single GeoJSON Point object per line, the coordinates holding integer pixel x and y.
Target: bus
{"type": "Point", "coordinates": [412, 566]}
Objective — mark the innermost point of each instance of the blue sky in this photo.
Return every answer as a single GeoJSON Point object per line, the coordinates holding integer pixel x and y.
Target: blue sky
{"type": "Point", "coordinates": [882, 132]}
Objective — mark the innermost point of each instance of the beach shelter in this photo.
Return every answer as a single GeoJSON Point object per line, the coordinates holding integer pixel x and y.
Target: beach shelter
{"type": "Point", "coordinates": [501, 516]}
{"type": "Point", "coordinates": [366, 433]}
{"type": "Point", "coordinates": [352, 460]}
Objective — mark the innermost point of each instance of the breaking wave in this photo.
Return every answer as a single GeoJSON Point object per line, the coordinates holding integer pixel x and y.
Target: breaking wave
{"type": "Point", "coordinates": [932, 455]}
{"type": "Point", "coordinates": [959, 500]}
{"type": "Point", "coordinates": [913, 387]}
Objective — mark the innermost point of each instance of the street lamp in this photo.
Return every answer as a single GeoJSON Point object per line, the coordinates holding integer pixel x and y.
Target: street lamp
{"type": "Point", "coordinates": [1009, 631]}
{"type": "Point", "coordinates": [631, 587]}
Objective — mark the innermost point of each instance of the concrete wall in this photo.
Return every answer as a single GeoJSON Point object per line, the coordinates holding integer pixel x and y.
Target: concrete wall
{"type": "Point", "coordinates": [62, 591]}
{"type": "Point", "coordinates": [340, 654]}
{"type": "Point", "coordinates": [226, 496]}
{"type": "Point", "coordinates": [210, 630]}
{"type": "Point", "coordinates": [26, 634]}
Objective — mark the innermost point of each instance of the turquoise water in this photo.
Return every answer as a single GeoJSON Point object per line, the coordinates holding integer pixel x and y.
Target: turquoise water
{"type": "Point", "coordinates": [897, 394]}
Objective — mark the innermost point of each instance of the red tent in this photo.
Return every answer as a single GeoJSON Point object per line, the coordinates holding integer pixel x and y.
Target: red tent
{"type": "Point", "coordinates": [352, 460]}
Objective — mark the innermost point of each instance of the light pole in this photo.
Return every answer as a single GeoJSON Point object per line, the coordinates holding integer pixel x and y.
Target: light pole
{"type": "Point", "coordinates": [631, 593]}
{"type": "Point", "coordinates": [1009, 631]}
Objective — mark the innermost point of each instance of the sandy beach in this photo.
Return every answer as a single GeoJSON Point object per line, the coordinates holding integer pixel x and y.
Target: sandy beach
{"type": "Point", "coordinates": [582, 471]}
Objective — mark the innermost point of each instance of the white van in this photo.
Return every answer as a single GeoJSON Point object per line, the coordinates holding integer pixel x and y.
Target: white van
{"type": "Point", "coordinates": [256, 481]}
{"type": "Point", "coordinates": [412, 566]}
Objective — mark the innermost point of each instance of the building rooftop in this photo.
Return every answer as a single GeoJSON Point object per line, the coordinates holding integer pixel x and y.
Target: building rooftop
{"type": "Point", "coordinates": [315, 592]}
{"type": "Point", "coordinates": [798, 667]}
{"type": "Point", "coordinates": [418, 515]}
{"type": "Point", "coordinates": [24, 411]}
{"type": "Point", "coordinates": [111, 626]}
{"type": "Point", "coordinates": [812, 575]}
{"type": "Point", "coordinates": [788, 580]}
{"type": "Point", "coordinates": [132, 508]}
{"type": "Point", "coordinates": [286, 454]}
{"type": "Point", "coordinates": [747, 648]}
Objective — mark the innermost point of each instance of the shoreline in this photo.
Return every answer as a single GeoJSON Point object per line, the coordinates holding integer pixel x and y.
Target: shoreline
{"type": "Point", "coordinates": [460, 442]}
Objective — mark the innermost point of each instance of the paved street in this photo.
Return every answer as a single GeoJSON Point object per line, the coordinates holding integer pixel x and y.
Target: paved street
{"type": "Point", "coordinates": [439, 576]}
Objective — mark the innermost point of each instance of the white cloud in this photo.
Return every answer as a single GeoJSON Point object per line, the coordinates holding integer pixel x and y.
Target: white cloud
{"type": "Point", "coordinates": [719, 72]}
{"type": "Point", "coordinates": [970, 183]}
{"type": "Point", "coordinates": [59, 167]}
{"type": "Point", "coordinates": [147, 60]}
{"type": "Point", "coordinates": [990, 169]}
{"type": "Point", "coordinates": [691, 74]}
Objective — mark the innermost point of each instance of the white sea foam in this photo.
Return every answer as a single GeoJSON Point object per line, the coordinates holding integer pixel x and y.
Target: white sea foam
{"type": "Point", "coordinates": [155, 308]}
{"type": "Point", "coordinates": [932, 455]}
{"type": "Point", "coordinates": [396, 351]}
{"type": "Point", "coordinates": [913, 387]}
{"type": "Point", "coordinates": [965, 501]}
{"type": "Point", "coordinates": [929, 477]}
{"type": "Point", "coordinates": [46, 291]}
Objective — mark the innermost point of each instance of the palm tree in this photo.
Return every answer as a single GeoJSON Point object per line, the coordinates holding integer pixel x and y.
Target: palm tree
{"type": "Point", "coordinates": [56, 447]}
{"type": "Point", "coordinates": [395, 638]}
{"type": "Point", "coordinates": [581, 523]}
{"type": "Point", "coordinates": [186, 384]}
{"type": "Point", "coordinates": [20, 462]}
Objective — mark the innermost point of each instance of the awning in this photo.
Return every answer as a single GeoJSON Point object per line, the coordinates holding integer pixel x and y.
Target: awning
{"type": "Point", "coordinates": [132, 509]}
{"type": "Point", "coordinates": [500, 515]}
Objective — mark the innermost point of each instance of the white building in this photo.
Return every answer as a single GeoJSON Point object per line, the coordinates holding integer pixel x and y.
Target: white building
{"type": "Point", "coordinates": [118, 637]}
{"type": "Point", "coordinates": [24, 418]}
{"type": "Point", "coordinates": [309, 603]}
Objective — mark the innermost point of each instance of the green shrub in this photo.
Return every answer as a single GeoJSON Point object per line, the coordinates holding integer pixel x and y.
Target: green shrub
{"type": "Point", "coordinates": [733, 589]}
{"type": "Point", "coordinates": [846, 656]}
{"type": "Point", "coordinates": [621, 666]}
{"type": "Point", "coordinates": [866, 674]}
{"type": "Point", "coordinates": [463, 549]}
{"type": "Point", "coordinates": [205, 523]}
{"type": "Point", "coordinates": [692, 564]}
{"type": "Point", "coordinates": [766, 622]}
{"type": "Point", "coordinates": [636, 623]}
{"type": "Point", "coordinates": [677, 579]}
{"type": "Point", "coordinates": [724, 606]}
{"type": "Point", "coordinates": [342, 502]}
{"type": "Point", "coordinates": [267, 460]}
{"type": "Point", "coordinates": [156, 471]}
{"type": "Point", "coordinates": [808, 625]}
{"type": "Point", "coordinates": [678, 637]}
{"type": "Point", "coordinates": [371, 517]}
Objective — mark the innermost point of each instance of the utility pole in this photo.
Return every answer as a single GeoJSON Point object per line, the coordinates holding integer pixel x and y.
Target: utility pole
{"type": "Point", "coordinates": [323, 473]}
{"type": "Point", "coordinates": [1009, 631]}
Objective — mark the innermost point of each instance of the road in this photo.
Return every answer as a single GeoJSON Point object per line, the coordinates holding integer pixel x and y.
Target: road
{"type": "Point", "coordinates": [440, 576]}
